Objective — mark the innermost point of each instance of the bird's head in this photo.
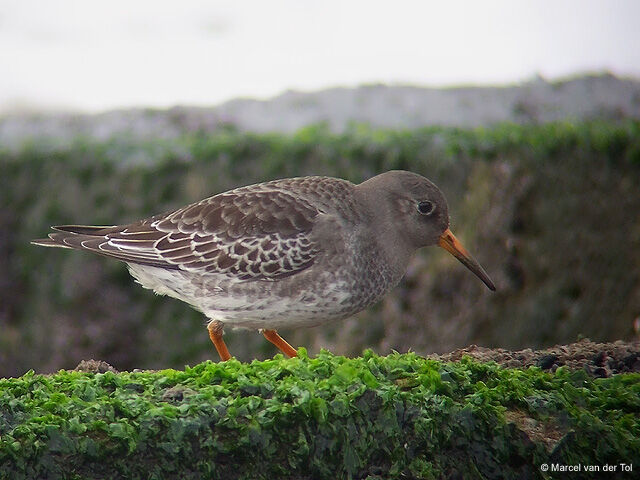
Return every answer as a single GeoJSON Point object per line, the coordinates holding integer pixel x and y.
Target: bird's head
{"type": "Point", "coordinates": [419, 213]}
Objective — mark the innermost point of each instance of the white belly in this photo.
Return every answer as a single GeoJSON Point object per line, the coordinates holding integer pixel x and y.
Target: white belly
{"type": "Point", "coordinates": [252, 305]}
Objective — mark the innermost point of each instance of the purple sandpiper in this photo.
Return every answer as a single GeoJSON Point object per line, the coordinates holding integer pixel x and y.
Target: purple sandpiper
{"type": "Point", "coordinates": [296, 252]}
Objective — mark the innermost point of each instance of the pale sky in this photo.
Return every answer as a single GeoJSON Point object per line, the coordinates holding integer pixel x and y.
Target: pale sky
{"type": "Point", "coordinates": [98, 55]}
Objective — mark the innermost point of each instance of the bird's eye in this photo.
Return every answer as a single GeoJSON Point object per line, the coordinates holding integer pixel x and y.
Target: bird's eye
{"type": "Point", "coordinates": [426, 207]}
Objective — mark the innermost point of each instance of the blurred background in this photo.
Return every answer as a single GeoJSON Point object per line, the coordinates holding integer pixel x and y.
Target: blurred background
{"type": "Point", "coordinates": [526, 114]}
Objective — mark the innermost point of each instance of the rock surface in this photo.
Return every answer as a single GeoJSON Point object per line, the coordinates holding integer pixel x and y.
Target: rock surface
{"type": "Point", "coordinates": [597, 359]}
{"type": "Point", "coordinates": [386, 106]}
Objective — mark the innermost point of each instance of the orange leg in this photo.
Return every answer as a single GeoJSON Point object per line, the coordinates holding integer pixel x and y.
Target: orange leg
{"type": "Point", "coordinates": [280, 342]}
{"type": "Point", "coordinates": [215, 334]}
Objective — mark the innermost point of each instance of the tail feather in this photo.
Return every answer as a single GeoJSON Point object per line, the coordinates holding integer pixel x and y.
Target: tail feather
{"type": "Point", "coordinates": [82, 229]}
{"type": "Point", "coordinates": [49, 242]}
{"type": "Point", "coordinates": [72, 236]}
{"type": "Point", "coordinates": [104, 240]}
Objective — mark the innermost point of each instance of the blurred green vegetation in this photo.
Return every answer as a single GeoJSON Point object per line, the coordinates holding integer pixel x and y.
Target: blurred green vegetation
{"type": "Point", "coordinates": [551, 211]}
{"type": "Point", "coordinates": [399, 416]}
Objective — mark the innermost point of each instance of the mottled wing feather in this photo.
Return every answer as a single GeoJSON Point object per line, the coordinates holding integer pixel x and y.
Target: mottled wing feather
{"type": "Point", "coordinates": [249, 235]}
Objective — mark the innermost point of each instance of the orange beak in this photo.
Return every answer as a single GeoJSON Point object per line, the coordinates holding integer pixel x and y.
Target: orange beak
{"type": "Point", "coordinates": [450, 243]}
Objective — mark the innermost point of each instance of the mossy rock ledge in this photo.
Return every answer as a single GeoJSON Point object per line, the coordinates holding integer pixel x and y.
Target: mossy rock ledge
{"type": "Point", "coordinates": [399, 416]}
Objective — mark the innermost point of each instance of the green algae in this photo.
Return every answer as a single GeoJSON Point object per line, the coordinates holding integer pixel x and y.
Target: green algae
{"type": "Point", "coordinates": [399, 416]}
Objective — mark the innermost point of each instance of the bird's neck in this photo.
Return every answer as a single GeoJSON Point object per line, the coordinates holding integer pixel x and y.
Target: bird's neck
{"type": "Point", "coordinates": [390, 242]}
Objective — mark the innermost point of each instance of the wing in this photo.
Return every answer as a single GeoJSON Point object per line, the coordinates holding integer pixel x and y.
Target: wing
{"type": "Point", "coordinates": [249, 235]}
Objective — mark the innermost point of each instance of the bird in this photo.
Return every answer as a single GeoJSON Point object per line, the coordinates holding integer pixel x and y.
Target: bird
{"type": "Point", "coordinates": [295, 252]}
